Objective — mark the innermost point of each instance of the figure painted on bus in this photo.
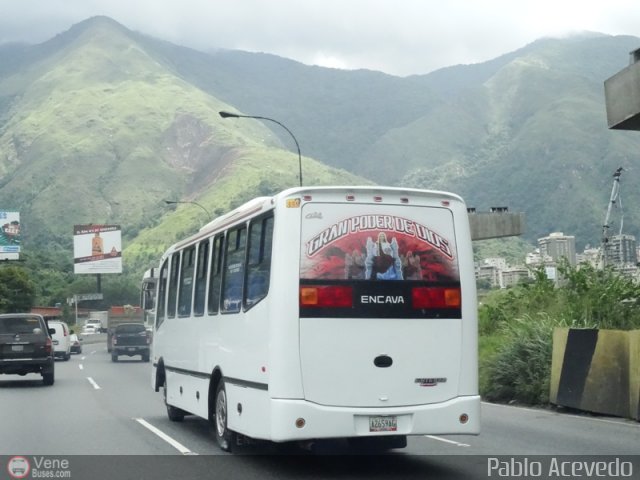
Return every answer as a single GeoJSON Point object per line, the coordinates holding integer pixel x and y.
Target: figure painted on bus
{"type": "Point", "coordinates": [354, 265]}
{"type": "Point", "coordinates": [411, 267]}
{"type": "Point", "coordinates": [383, 261]}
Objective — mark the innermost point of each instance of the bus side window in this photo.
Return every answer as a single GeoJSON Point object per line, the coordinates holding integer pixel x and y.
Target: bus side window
{"type": "Point", "coordinates": [201, 277]}
{"type": "Point", "coordinates": [233, 271]}
{"type": "Point", "coordinates": [186, 281]}
{"type": "Point", "coordinates": [215, 276]}
{"type": "Point", "coordinates": [161, 297]}
{"type": "Point", "coordinates": [173, 285]}
{"type": "Point", "coordinates": [259, 261]}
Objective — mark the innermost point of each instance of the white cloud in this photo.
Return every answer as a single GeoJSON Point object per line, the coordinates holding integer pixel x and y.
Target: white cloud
{"type": "Point", "coordinates": [396, 36]}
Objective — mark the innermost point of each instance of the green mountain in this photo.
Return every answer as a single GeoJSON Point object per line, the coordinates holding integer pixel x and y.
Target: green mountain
{"type": "Point", "coordinates": [95, 129]}
{"type": "Point", "coordinates": [527, 129]}
{"type": "Point", "coordinates": [101, 125]}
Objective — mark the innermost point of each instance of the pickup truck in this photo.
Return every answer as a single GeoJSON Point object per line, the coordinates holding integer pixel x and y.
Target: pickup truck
{"type": "Point", "coordinates": [130, 339]}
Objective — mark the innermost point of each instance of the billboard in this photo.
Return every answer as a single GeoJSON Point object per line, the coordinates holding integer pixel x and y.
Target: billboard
{"type": "Point", "coordinates": [97, 249]}
{"type": "Point", "coordinates": [9, 235]}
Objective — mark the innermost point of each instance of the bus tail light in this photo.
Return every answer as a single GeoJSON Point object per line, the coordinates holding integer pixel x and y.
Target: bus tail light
{"type": "Point", "coordinates": [332, 296]}
{"type": "Point", "coordinates": [435, 297]}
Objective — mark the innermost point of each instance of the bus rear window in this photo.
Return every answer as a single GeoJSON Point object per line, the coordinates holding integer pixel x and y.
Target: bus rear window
{"type": "Point", "coordinates": [376, 260]}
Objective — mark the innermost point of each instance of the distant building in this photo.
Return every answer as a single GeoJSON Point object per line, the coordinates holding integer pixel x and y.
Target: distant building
{"type": "Point", "coordinates": [590, 256]}
{"type": "Point", "coordinates": [535, 259]}
{"type": "Point", "coordinates": [621, 251]}
{"type": "Point", "coordinates": [557, 246]}
{"type": "Point", "coordinates": [513, 276]}
{"type": "Point", "coordinates": [499, 262]}
{"type": "Point", "coordinates": [490, 273]}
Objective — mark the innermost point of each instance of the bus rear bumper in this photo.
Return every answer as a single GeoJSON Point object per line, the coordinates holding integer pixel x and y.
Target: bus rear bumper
{"type": "Point", "coordinates": [321, 421]}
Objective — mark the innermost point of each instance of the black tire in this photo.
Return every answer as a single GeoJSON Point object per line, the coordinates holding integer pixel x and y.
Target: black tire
{"type": "Point", "coordinates": [67, 356]}
{"type": "Point", "coordinates": [175, 414]}
{"type": "Point", "coordinates": [226, 438]}
{"type": "Point", "coordinates": [48, 377]}
{"type": "Point", "coordinates": [145, 358]}
{"type": "Point", "coordinates": [114, 357]}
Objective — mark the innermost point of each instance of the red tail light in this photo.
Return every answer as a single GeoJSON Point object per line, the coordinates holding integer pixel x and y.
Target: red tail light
{"type": "Point", "coordinates": [435, 297]}
{"type": "Point", "coordinates": [113, 340]}
{"type": "Point", "coordinates": [48, 346]}
{"type": "Point", "coordinates": [332, 296]}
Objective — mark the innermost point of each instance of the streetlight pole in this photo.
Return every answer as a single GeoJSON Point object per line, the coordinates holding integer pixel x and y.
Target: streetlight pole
{"type": "Point", "coordinates": [175, 202]}
{"type": "Point", "coordinates": [235, 115]}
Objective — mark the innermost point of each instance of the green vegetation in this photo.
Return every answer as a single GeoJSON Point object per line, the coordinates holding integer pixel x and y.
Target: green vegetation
{"type": "Point", "coordinates": [516, 326]}
{"type": "Point", "coordinates": [17, 291]}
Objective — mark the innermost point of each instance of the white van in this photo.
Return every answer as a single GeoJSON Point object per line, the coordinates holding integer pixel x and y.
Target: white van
{"type": "Point", "coordinates": [61, 339]}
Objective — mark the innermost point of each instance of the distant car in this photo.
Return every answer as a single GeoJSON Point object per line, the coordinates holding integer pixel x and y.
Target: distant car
{"type": "Point", "coordinates": [130, 339]}
{"type": "Point", "coordinates": [26, 346]}
{"type": "Point", "coordinates": [76, 347]}
{"type": "Point", "coordinates": [61, 339]}
{"type": "Point", "coordinates": [88, 330]}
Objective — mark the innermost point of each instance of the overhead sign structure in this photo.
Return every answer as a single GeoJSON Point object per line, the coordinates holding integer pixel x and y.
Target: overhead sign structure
{"type": "Point", "coordinates": [80, 297]}
{"type": "Point", "coordinates": [9, 235]}
{"type": "Point", "coordinates": [97, 249]}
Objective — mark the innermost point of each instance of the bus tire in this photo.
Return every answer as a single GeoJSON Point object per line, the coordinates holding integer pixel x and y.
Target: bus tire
{"type": "Point", "coordinates": [175, 414]}
{"type": "Point", "coordinates": [225, 437]}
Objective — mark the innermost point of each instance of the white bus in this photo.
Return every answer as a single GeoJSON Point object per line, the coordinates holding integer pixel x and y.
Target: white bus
{"type": "Point", "coordinates": [324, 312]}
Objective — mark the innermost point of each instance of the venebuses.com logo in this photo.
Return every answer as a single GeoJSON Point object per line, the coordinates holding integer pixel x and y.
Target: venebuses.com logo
{"type": "Point", "coordinates": [38, 467]}
{"type": "Point", "coordinates": [18, 467]}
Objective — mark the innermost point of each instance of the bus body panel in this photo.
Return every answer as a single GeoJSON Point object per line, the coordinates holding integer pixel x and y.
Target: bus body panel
{"type": "Point", "coordinates": [338, 356]}
{"type": "Point", "coordinates": [382, 251]}
{"type": "Point", "coordinates": [344, 422]}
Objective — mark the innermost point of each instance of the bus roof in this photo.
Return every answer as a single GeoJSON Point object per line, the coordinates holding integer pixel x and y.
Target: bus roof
{"type": "Point", "coordinates": [263, 204]}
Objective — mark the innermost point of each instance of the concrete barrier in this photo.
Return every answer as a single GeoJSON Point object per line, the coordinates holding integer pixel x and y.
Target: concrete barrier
{"type": "Point", "coordinates": [596, 371]}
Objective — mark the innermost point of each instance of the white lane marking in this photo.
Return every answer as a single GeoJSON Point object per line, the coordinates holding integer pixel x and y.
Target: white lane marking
{"type": "Point", "coordinates": [93, 352]}
{"type": "Point", "coordinates": [83, 358]}
{"type": "Point", "coordinates": [623, 422]}
{"type": "Point", "coordinates": [445, 440]}
{"type": "Point", "coordinates": [80, 367]}
{"type": "Point", "coordinates": [93, 382]}
{"type": "Point", "coordinates": [174, 443]}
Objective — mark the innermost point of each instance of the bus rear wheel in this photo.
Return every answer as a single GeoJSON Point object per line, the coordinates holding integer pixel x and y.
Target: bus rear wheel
{"type": "Point", "coordinates": [225, 437]}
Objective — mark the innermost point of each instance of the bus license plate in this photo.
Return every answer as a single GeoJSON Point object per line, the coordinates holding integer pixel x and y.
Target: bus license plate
{"type": "Point", "coordinates": [383, 424]}
{"type": "Point", "coordinates": [17, 348]}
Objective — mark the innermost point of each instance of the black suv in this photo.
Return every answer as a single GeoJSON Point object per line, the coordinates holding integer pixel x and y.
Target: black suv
{"type": "Point", "coordinates": [130, 339]}
{"type": "Point", "coordinates": [26, 346]}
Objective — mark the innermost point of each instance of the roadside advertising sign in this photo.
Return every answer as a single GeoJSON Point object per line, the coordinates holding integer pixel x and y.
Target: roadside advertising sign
{"type": "Point", "coordinates": [9, 235]}
{"type": "Point", "coordinates": [97, 249]}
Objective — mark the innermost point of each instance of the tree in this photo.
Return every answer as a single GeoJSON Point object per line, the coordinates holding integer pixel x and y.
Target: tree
{"type": "Point", "coordinates": [17, 291]}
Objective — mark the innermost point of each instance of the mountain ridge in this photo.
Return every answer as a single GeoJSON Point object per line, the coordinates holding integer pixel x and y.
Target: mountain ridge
{"type": "Point", "coordinates": [113, 122]}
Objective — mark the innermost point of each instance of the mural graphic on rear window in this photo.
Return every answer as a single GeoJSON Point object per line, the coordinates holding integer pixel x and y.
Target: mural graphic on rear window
{"type": "Point", "coordinates": [378, 247]}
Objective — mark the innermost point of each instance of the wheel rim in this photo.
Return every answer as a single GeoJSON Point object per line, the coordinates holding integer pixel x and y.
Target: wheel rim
{"type": "Point", "coordinates": [221, 413]}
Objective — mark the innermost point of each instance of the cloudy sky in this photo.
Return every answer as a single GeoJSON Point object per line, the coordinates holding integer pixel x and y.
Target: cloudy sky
{"type": "Point", "coordinates": [400, 37]}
